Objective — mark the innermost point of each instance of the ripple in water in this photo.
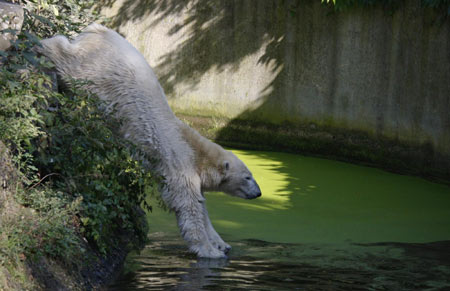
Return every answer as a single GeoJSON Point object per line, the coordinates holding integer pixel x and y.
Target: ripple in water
{"type": "Point", "coordinates": [258, 265]}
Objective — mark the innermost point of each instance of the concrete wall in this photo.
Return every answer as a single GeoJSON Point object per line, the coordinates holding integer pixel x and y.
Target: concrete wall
{"type": "Point", "coordinates": [278, 61]}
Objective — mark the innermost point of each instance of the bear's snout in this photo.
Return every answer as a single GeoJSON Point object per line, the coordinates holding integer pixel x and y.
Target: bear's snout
{"type": "Point", "coordinates": [255, 191]}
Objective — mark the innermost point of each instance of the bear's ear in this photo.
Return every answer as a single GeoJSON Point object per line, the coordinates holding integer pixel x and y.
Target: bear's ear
{"type": "Point", "coordinates": [226, 165]}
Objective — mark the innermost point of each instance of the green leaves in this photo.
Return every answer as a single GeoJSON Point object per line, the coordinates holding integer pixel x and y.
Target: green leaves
{"type": "Point", "coordinates": [74, 164]}
{"type": "Point", "coordinates": [82, 145]}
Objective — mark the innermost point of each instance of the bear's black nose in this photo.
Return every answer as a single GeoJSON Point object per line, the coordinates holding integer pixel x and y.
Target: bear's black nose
{"type": "Point", "coordinates": [253, 196]}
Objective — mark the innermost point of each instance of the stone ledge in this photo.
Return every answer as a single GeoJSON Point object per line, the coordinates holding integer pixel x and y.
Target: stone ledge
{"type": "Point", "coordinates": [11, 17]}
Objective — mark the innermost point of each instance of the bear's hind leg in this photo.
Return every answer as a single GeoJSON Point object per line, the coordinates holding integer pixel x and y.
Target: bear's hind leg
{"type": "Point", "coordinates": [212, 234]}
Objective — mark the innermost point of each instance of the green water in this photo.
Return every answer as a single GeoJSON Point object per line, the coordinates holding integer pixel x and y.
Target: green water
{"type": "Point", "coordinates": [359, 227]}
{"type": "Point", "coordinates": [310, 200]}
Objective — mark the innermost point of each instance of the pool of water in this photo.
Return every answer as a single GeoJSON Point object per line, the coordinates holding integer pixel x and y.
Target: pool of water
{"type": "Point", "coordinates": [320, 225]}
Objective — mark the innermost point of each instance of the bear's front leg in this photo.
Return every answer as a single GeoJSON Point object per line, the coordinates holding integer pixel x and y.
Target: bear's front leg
{"type": "Point", "coordinates": [191, 222]}
{"type": "Point", "coordinates": [213, 236]}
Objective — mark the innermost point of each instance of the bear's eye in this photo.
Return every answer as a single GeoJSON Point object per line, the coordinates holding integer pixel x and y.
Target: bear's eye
{"type": "Point", "coordinates": [248, 178]}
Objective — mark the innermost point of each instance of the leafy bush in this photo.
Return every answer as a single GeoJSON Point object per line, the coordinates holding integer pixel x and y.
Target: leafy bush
{"type": "Point", "coordinates": [78, 174]}
{"type": "Point", "coordinates": [45, 18]}
{"type": "Point", "coordinates": [86, 158]}
{"type": "Point", "coordinates": [23, 89]}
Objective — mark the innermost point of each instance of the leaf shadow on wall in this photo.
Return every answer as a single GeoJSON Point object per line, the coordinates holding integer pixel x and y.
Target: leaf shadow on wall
{"type": "Point", "coordinates": [220, 34]}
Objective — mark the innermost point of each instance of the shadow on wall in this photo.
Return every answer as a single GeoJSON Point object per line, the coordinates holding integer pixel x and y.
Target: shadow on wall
{"type": "Point", "coordinates": [220, 34]}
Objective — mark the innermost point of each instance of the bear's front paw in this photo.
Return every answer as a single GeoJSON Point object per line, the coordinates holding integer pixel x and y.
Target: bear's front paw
{"type": "Point", "coordinates": [208, 251]}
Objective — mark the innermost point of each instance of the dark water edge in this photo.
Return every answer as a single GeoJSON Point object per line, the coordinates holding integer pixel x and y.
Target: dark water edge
{"type": "Point", "coordinates": [258, 265]}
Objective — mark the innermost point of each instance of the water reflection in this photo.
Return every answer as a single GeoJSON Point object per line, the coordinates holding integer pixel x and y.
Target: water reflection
{"type": "Point", "coordinates": [259, 265]}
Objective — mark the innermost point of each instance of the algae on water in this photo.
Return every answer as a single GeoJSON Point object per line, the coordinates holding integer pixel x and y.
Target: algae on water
{"type": "Point", "coordinates": [312, 200]}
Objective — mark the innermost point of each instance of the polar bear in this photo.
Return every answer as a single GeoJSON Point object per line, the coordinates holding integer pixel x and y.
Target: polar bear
{"type": "Point", "coordinates": [189, 163]}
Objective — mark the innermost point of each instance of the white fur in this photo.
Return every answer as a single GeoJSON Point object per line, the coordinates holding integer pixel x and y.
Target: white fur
{"type": "Point", "coordinates": [189, 163]}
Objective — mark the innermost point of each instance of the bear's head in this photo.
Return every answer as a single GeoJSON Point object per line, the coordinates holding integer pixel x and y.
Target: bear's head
{"type": "Point", "coordinates": [236, 179]}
